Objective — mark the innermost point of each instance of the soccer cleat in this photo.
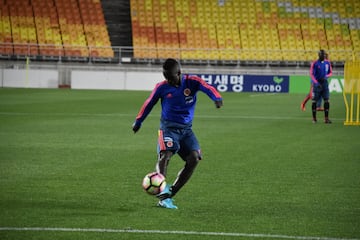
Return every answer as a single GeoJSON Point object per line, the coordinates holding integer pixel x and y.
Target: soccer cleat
{"type": "Point", "coordinates": [167, 203]}
{"type": "Point", "coordinates": [327, 121]}
{"type": "Point", "coordinates": [302, 107]}
{"type": "Point", "coordinates": [314, 120]}
{"type": "Point", "coordinates": [166, 193]}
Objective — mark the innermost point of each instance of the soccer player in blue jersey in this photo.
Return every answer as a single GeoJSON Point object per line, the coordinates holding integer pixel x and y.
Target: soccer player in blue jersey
{"type": "Point", "coordinates": [320, 71]}
{"type": "Point", "coordinates": [178, 99]}
{"type": "Point", "coordinates": [309, 95]}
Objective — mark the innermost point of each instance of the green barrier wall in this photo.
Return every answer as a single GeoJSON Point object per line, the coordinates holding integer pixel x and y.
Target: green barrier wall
{"type": "Point", "coordinates": [301, 84]}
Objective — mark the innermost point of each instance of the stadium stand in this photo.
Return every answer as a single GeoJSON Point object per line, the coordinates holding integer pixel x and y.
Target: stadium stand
{"type": "Point", "coordinates": [69, 28]}
{"type": "Point", "coordinates": [228, 30]}
{"type": "Point", "coordinates": [277, 30]}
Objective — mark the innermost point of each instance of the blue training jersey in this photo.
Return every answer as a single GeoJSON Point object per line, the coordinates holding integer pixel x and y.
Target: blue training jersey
{"type": "Point", "coordinates": [177, 103]}
{"type": "Point", "coordinates": [320, 70]}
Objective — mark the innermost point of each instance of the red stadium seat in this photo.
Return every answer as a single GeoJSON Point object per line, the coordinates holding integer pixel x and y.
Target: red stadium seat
{"type": "Point", "coordinates": [26, 23]}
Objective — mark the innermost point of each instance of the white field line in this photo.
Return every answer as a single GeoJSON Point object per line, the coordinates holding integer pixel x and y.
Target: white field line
{"type": "Point", "coordinates": [262, 94]}
{"type": "Point", "coordinates": [306, 116]}
{"type": "Point", "coordinates": [228, 234]}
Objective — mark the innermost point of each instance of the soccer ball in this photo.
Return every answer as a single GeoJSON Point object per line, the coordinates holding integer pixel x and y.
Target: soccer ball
{"type": "Point", "coordinates": [154, 183]}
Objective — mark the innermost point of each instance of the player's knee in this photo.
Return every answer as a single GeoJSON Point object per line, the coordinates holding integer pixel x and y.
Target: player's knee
{"type": "Point", "coordinates": [163, 161]}
{"type": "Point", "coordinates": [193, 158]}
{"type": "Point", "coordinates": [165, 156]}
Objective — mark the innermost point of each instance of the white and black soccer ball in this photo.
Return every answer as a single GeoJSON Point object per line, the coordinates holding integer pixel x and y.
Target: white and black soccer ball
{"type": "Point", "coordinates": [154, 183]}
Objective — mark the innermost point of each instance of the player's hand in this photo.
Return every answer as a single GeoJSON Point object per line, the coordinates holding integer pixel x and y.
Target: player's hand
{"type": "Point", "coordinates": [136, 126]}
{"type": "Point", "coordinates": [218, 103]}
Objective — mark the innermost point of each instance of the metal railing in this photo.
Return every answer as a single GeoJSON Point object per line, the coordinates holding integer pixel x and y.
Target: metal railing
{"type": "Point", "coordinates": [129, 54]}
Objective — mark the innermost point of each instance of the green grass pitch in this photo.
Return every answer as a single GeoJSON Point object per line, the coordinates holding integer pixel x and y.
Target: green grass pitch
{"type": "Point", "coordinates": [70, 161]}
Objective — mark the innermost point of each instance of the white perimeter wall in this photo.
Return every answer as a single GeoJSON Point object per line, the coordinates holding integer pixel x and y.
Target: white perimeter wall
{"type": "Point", "coordinates": [22, 78]}
{"type": "Point", "coordinates": [114, 80]}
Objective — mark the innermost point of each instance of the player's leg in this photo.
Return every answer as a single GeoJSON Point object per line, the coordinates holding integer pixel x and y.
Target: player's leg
{"type": "Point", "coordinates": [165, 197]}
{"type": "Point", "coordinates": [315, 98]}
{"type": "Point", "coordinates": [319, 105]}
{"type": "Point", "coordinates": [191, 161]}
{"type": "Point", "coordinates": [303, 103]}
{"type": "Point", "coordinates": [190, 153]}
{"type": "Point", "coordinates": [326, 95]}
{"type": "Point", "coordinates": [306, 99]}
{"type": "Point", "coordinates": [326, 110]}
{"type": "Point", "coordinates": [167, 146]}
{"type": "Point", "coordinates": [163, 161]}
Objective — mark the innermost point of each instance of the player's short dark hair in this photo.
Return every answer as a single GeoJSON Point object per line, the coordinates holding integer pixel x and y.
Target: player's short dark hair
{"type": "Point", "coordinates": [322, 52]}
{"type": "Point", "coordinates": [169, 64]}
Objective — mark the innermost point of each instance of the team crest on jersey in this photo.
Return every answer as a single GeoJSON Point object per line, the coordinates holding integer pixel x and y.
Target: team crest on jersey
{"type": "Point", "coordinates": [187, 92]}
{"type": "Point", "coordinates": [169, 142]}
